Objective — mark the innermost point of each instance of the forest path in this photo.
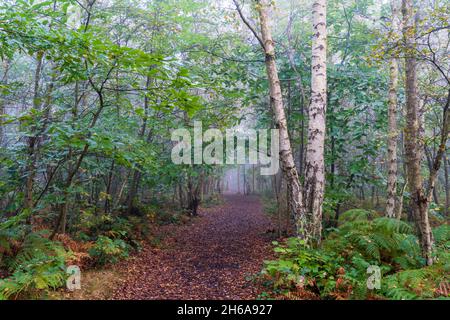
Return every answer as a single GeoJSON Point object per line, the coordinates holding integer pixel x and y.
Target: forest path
{"type": "Point", "coordinates": [211, 258]}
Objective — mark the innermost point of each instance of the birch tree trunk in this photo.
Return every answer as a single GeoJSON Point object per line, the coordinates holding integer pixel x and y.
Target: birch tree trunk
{"type": "Point", "coordinates": [286, 158]}
{"type": "Point", "coordinates": [315, 164]}
{"type": "Point", "coordinates": [419, 201]}
{"type": "Point", "coordinates": [392, 121]}
{"type": "Point", "coordinates": [447, 191]}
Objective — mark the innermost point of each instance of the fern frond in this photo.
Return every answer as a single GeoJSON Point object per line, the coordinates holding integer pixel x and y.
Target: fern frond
{"type": "Point", "coordinates": [441, 234]}
{"type": "Point", "coordinates": [391, 226]}
{"type": "Point", "coordinates": [354, 214]}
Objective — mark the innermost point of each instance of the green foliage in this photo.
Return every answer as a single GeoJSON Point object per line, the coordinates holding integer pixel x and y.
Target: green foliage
{"type": "Point", "coordinates": [131, 229]}
{"type": "Point", "coordinates": [339, 267]}
{"type": "Point", "coordinates": [424, 283]}
{"type": "Point", "coordinates": [441, 235]}
{"type": "Point", "coordinates": [381, 240]}
{"type": "Point", "coordinates": [107, 250]}
{"type": "Point", "coordinates": [299, 266]}
{"type": "Point", "coordinates": [108, 94]}
{"type": "Point", "coordinates": [38, 266]}
{"type": "Point", "coordinates": [354, 215]}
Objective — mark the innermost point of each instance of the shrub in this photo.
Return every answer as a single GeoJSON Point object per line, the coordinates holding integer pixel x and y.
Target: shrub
{"type": "Point", "coordinates": [132, 230]}
{"type": "Point", "coordinates": [299, 267]}
{"type": "Point", "coordinates": [338, 269]}
{"type": "Point", "coordinates": [38, 266]}
{"type": "Point", "coordinates": [379, 241]}
{"type": "Point", "coordinates": [107, 250]}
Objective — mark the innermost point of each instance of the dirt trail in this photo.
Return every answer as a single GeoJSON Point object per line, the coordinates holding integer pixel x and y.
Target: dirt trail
{"type": "Point", "coordinates": [211, 258]}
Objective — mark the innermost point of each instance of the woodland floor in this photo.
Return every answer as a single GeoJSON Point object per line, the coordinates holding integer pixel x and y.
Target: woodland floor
{"type": "Point", "coordinates": [212, 257]}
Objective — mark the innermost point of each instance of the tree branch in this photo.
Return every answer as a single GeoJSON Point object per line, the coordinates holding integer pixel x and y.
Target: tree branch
{"type": "Point", "coordinates": [247, 23]}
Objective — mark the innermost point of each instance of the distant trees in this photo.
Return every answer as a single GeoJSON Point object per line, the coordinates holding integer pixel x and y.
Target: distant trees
{"type": "Point", "coordinates": [86, 108]}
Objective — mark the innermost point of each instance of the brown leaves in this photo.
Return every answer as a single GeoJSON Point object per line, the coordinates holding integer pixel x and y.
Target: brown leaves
{"type": "Point", "coordinates": [212, 257]}
{"type": "Point", "coordinates": [80, 255]}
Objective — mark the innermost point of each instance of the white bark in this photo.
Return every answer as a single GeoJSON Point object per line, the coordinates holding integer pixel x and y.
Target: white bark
{"type": "Point", "coordinates": [286, 157]}
{"type": "Point", "coordinates": [315, 166]}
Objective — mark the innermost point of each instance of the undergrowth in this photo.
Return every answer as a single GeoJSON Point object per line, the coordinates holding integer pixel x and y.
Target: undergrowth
{"type": "Point", "coordinates": [338, 269]}
{"type": "Point", "coordinates": [31, 265]}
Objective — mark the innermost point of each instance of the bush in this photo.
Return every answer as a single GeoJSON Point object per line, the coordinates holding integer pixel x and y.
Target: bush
{"type": "Point", "coordinates": [107, 250]}
{"type": "Point", "coordinates": [131, 229]}
{"type": "Point", "coordinates": [39, 265]}
{"type": "Point", "coordinates": [299, 267]}
{"type": "Point", "coordinates": [338, 269]}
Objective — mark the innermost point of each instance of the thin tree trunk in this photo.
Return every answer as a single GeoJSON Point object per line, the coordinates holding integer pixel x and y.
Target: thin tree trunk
{"type": "Point", "coordinates": [253, 179]}
{"type": "Point", "coordinates": [441, 150]}
{"type": "Point", "coordinates": [315, 164]}
{"type": "Point", "coordinates": [136, 175]}
{"type": "Point", "coordinates": [285, 150]}
{"type": "Point", "coordinates": [399, 211]}
{"type": "Point", "coordinates": [238, 179]}
{"type": "Point", "coordinates": [180, 194]}
{"type": "Point", "coordinates": [245, 181]}
{"type": "Point", "coordinates": [32, 139]}
{"type": "Point", "coordinates": [2, 102]}
{"type": "Point", "coordinates": [108, 187]}
{"type": "Point", "coordinates": [392, 122]}
{"type": "Point", "coordinates": [62, 218]}
{"type": "Point", "coordinates": [419, 202]}
{"type": "Point", "coordinates": [429, 158]}
{"type": "Point", "coordinates": [447, 191]}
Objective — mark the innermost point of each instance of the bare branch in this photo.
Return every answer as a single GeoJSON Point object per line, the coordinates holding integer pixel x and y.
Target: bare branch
{"type": "Point", "coordinates": [247, 23]}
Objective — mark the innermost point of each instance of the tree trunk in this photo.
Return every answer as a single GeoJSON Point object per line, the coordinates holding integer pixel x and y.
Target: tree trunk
{"type": "Point", "coordinates": [419, 202]}
{"type": "Point", "coordinates": [32, 139]}
{"type": "Point", "coordinates": [180, 194]}
{"type": "Point", "coordinates": [392, 122]}
{"type": "Point", "coordinates": [136, 176]}
{"type": "Point", "coordinates": [193, 194]}
{"type": "Point", "coordinates": [441, 150]}
{"type": "Point", "coordinates": [447, 191]}
{"type": "Point", "coordinates": [4, 82]}
{"type": "Point", "coordinates": [315, 164]}
{"type": "Point", "coordinates": [61, 220]}
{"type": "Point", "coordinates": [108, 192]}
{"type": "Point", "coordinates": [285, 150]}
{"type": "Point", "coordinates": [429, 157]}
{"type": "Point", "coordinates": [238, 179]}
{"type": "Point", "coordinates": [253, 179]}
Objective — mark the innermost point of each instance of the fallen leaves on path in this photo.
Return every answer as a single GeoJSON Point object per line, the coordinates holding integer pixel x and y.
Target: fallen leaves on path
{"type": "Point", "coordinates": [211, 258]}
